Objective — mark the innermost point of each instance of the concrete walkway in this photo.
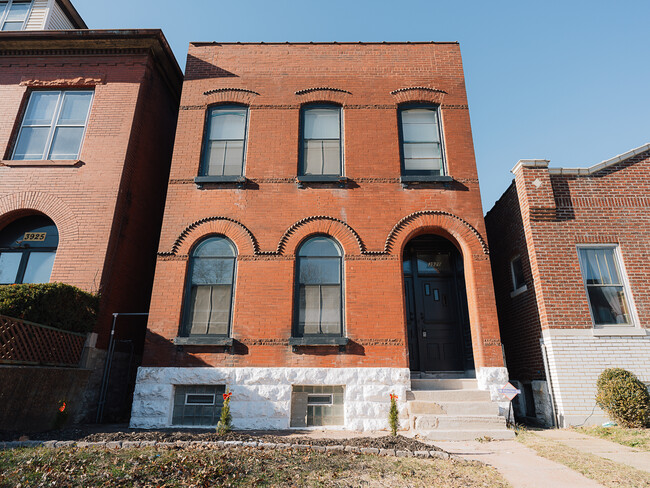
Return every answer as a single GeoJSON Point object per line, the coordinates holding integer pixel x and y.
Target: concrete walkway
{"type": "Point", "coordinates": [600, 447]}
{"type": "Point", "coordinates": [518, 464]}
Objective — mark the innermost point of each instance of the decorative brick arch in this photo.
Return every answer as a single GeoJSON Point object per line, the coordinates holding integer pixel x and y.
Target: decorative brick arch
{"type": "Point", "coordinates": [233, 230]}
{"type": "Point", "coordinates": [230, 95]}
{"type": "Point", "coordinates": [467, 236]}
{"type": "Point", "coordinates": [323, 94]}
{"type": "Point", "coordinates": [419, 94]}
{"type": "Point", "coordinates": [320, 224]}
{"type": "Point", "coordinates": [27, 203]}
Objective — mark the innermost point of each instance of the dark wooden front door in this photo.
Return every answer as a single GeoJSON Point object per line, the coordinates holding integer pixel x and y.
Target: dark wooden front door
{"type": "Point", "coordinates": [432, 305]}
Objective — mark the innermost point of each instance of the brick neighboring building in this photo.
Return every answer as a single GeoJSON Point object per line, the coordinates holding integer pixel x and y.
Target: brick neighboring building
{"type": "Point", "coordinates": [86, 136]}
{"type": "Point", "coordinates": [569, 254]}
{"type": "Point", "coordinates": [323, 238]}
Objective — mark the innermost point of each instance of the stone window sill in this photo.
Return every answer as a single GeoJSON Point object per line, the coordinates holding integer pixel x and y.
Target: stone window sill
{"type": "Point", "coordinates": [518, 291]}
{"type": "Point", "coordinates": [238, 181]}
{"type": "Point", "coordinates": [621, 331]}
{"type": "Point", "coordinates": [409, 180]}
{"type": "Point", "coordinates": [318, 341]}
{"type": "Point", "coordinates": [41, 162]}
{"type": "Point", "coordinates": [303, 180]}
{"type": "Point", "coordinates": [204, 341]}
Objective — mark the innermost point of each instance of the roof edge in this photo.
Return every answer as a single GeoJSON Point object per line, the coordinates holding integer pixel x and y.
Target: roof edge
{"type": "Point", "coordinates": [602, 165]}
{"type": "Point", "coordinates": [70, 9]}
{"type": "Point", "coordinates": [530, 163]}
{"type": "Point", "coordinates": [334, 43]}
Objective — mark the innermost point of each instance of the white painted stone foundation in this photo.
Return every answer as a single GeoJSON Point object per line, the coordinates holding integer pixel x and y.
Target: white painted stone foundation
{"type": "Point", "coordinates": [491, 379]}
{"type": "Point", "coordinates": [261, 397]}
{"type": "Point", "coordinates": [577, 357]}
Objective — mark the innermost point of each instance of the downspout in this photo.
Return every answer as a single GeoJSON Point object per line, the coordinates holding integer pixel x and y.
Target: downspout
{"type": "Point", "coordinates": [547, 372]}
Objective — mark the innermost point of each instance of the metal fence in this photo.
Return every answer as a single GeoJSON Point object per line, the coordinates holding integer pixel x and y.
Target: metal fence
{"type": "Point", "coordinates": [23, 342]}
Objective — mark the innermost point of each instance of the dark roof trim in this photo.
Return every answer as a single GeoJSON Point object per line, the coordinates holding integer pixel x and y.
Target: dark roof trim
{"type": "Point", "coordinates": [333, 43]}
{"type": "Point", "coordinates": [96, 42]}
{"type": "Point", "coordinates": [72, 14]}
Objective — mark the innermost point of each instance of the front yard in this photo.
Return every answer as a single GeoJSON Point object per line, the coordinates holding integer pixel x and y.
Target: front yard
{"type": "Point", "coordinates": [202, 467]}
{"type": "Point", "coordinates": [636, 438]}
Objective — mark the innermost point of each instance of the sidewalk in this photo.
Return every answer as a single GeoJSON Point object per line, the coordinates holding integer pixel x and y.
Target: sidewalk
{"type": "Point", "coordinates": [600, 447]}
{"type": "Point", "coordinates": [521, 466]}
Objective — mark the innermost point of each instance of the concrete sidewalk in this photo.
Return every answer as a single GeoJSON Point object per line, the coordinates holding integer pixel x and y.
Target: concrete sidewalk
{"type": "Point", "coordinates": [521, 466]}
{"type": "Point", "coordinates": [600, 447]}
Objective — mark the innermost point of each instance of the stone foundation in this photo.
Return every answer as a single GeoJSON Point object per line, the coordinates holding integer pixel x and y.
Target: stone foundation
{"type": "Point", "coordinates": [491, 379]}
{"type": "Point", "coordinates": [261, 397]}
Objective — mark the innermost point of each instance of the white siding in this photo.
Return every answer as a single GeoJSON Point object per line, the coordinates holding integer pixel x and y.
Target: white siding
{"type": "Point", "coordinates": [37, 16]}
{"type": "Point", "coordinates": [58, 20]}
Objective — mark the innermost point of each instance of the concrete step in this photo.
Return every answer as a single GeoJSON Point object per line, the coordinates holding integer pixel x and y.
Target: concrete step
{"type": "Point", "coordinates": [448, 395]}
{"type": "Point", "coordinates": [441, 376]}
{"type": "Point", "coordinates": [453, 408]}
{"type": "Point", "coordinates": [444, 384]}
{"type": "Point", "coordinates": [465, 435]}
{"type": "Point", "coordinates": [426, 422]}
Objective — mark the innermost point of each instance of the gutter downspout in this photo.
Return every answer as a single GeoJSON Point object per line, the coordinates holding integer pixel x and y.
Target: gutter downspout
{"type": "Point", "coordinates": [550, 382]}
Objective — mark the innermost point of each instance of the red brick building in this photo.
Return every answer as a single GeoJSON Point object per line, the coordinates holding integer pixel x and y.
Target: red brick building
{"type": "Point", "coordinates": [323, 238]}
{"type": "Point", "coordinates": [569, 252]}
{"type": "Point", "coordinates": [86, 135]}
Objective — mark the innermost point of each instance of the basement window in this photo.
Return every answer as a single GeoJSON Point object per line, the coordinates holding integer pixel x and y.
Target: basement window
{"type": "Point", "coordinates": [315, 406]}
{"type": "Point", "coordinates": [197, 404]}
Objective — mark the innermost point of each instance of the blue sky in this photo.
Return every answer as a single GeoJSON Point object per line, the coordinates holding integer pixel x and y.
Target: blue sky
{"type": "Point", "coordinates": [565, 80]}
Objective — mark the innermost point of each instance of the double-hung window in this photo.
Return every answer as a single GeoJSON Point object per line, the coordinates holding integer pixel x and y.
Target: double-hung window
{"type": "Point", "coordinates": [607, 293]}
{"type": "Point", "coordinates": [321, 153]}
{"type": "Point", "coordinates": [421, 148]}
{"type": "Point", "coordinates": [225, 142]}
{"type": "Point", "coordinates": [319, 289]}
{"type": "Point", "coordinates": [53, 125]}
{"type": "Point", "coordinates": [210, 288]}
{"type": "Point", "coordinates": [13, 14]}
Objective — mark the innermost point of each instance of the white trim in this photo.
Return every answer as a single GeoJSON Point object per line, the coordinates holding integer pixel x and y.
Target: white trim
{"type": "Point", "coordinates": [543, 163]}
{"type": "Point", "coordinates": [214, 398]}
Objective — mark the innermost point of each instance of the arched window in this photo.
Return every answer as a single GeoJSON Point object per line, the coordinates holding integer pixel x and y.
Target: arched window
{"type": "Point", "coordinates": [27, 250]}
{"type": "Point", "coordinates": [210, 288]}
{"type": "Point", "coordinates": [225, 141]}
{"type": "Point", "coordinates": [319, 289]}
{"type": "Point", "coordinates": [421, 136]}
{"type": "Point", "coordinates": [321, 141]}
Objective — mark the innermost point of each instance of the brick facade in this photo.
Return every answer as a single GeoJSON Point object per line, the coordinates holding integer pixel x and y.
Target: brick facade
{"type": "Point", "coordinates": [544, 217]}
{"type": "Point", "coordinates": [108, 204]}
{"type": "Point", "coordinates": [371, 215]}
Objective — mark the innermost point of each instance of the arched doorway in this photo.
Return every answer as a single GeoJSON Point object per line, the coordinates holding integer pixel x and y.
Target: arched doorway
{"type": "Point", "coordinates": [436, 306]}
{"type": "Point", "coordinates": [27, 250]}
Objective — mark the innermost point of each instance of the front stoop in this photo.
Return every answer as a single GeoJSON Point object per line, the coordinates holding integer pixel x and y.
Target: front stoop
{"type": "Point", "coordinates": [453, 409]}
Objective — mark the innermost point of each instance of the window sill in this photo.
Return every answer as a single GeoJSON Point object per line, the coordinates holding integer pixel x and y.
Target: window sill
{"type": "Point", "coordinates": [419, 179]}
{"type": "Point", "coordinates": [619, 331]}
{"type": "Point", "coordinates": [204, 341]}
{"type": "Point", "coordinates": [238, 181]}
{"type": "Point", "coordinates": [318, 341]}
{"type": "Point", "coordinates": [321, 179]}
{"type": "Point", "coordinates": [518, 291]}
{"type": "Point", "coordinates": [40, 162]}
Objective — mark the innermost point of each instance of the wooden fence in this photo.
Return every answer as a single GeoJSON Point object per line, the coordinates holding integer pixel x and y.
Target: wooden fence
{"type": "Point", "coordinates": [23, 342]}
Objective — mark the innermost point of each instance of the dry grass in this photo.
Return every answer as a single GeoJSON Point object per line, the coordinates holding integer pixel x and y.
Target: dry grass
{"type": "Point", "coordinates": [604, 471]}
{"type": "Point", "coordinates": [202, 467]}
{"type": "Point", "coordinates": [636, 438]}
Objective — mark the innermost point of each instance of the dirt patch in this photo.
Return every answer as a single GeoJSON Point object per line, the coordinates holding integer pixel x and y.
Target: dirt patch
{"type": "Point", "coordinates": [99, 433]}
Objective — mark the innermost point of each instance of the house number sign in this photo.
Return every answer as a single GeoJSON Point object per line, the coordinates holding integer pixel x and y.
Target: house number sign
{"type": "Point", "coordinates": [34, 236]}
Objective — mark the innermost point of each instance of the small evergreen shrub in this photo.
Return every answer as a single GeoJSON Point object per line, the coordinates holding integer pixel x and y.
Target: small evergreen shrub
{"type": "Point", "coordinates": [58, 305]}
{"type": "Point", "coordinates": [625, 399]}
{"type": "Point", "coordinates": [393, 415]}
{"type": "Point", "coordinates": [225, 421]}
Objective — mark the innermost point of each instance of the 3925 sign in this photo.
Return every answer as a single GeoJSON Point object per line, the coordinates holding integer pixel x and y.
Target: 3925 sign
{"type": "Point", "coordinates": [34, 236]}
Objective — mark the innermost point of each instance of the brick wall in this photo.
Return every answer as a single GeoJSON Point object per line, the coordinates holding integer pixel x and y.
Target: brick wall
{"type": "Point", "coordinates": [372, 217]}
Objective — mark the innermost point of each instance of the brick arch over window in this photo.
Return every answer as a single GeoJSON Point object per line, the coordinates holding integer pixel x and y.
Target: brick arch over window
{"type": "Point", "coordinates": [233, 230]}
{"type": "Point", "coordinates": [230, 95]}
{"type": "Point", "coordinates": [22, 204]}
{"type": "Point", "coordinates": [324, 95]}
{"type": "Point", "coordinates": [419, 94]}
{"type": "Point", "coordinates": [470, 240]}
{"type": "Point", "coordinates": [320, 224]}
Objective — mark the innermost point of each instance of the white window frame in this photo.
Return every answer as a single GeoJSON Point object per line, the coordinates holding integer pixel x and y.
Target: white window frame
{"type": "Point", "coordinates": [188, 395]}
{"type": "Point", "coordinates": [54, 123]}
{"type": "Point", "coordinates": [3, 15]}
{"type": "Point", "coordinates": [329, 404]}
{"type": "Point", "coordinates": [516, 291]}
{"type": "Point", "coordinates": [618, 260]}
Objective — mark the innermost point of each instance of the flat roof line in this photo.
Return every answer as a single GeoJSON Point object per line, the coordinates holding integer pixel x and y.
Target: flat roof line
{"type": "Point", "coordinates": [333, 43]}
